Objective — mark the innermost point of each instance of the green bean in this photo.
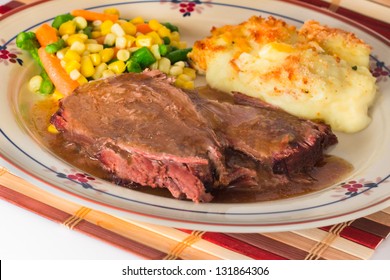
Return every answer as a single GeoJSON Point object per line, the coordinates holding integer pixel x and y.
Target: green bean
{"type": "Point", "coordinates": [133, 66]}
{"type": "Point", "coordinates": [55, 47]}
{"type": "Point", "coordinates": [171, 27]}
{"type": "Point", "coordinates": [178, 55]}
{"type": "Point", "coordinates": [166, 40]}
{"type": "Point", "coordinates": [164, 49]}
{"type": "Point", "coordinates": [58, 20]}
{"type": "Point", "coordinates": [47, 86]}
{"type": "Point", "coordinates": [143, 57]}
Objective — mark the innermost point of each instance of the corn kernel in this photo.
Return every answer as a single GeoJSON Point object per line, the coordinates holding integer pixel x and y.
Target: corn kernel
{"type": "Point", "coordinates": [105, 27]}
{"type": "Point", "coordinates": [182, 45]}
{"type": "Point", "coordinates": [61, 53]}
{"type": "Point", "coordinates": [57, 95]}
{"type": "Point", "coordinates": [163, 31]}
{"type": "Point", "coordinates": [184, 77]}
{"type": "Point", "coordinates": [155, 37]}
{"type": "Point", "coordinates": [72, 65]}
{"type": "Point", "coordinates": [82, 80]}
{"type": "Point", "coordinates": [81, 22]}
{"type": "Point", "coordinates": [182, 64]}
{"type": "Point", "coordinates": [97, 23]}
{"type": "Point", "coordinates": [155, 51]}
{"type": "Point", "coordinates": [96, 59]}
{"type": "Point", "coordinates": [107, 73]}
{"type": "Point", "coordinates": [75, 74]}
{"type": "Point", "coordinates": [111, 11]}
{"type": "Point", "coordinates": [176, 70]}
{"type": "Point", "coordinates": [78, 47]}
{"type": "Point", "coordinates": [175, 36]}
{"type": "Point", "coordinates": [120, 42]}
{"type": "Point", "coordinates": [190, 72]}
{"type": "Point", "coordinates": [184, 84]}
{"type": "Point", "coordinates": [137, 20]}
{"type": "Point", "coordinates": [123, 55]}
{"type": "Point", "coordinates": [65, 37]}
{"type": "Point", "coordinates": [72, 55]}
{"type": "Point", "coordinates": [117, 30]}
{"type": "Point", "coordinates": [130, 40]}
{"type": "Point", "coordinates": [68, 27]}
{"type": "Point", "coordinates": [99, 71]}
{"type": "Point", "coordinates": [143, 41]}
{"type": "Point", "coordinates": [155, 24]}
{"type": "Point", "coordinates": [164, 65]}
{"type": "Point", "coordinates": [91, 41]}
{"type": "Point", "coordinates": [86, 52]}
{"type": "Point", "coordinates": [153, 66]}
{"type": "Point", "coordinates": [189, 85]}
{"type": "Point", "coordinates": [94, 48]}
{"type": "Point", "coordinates": [110, 39]}
{"type": "Point", "coordinates": [96, 34]}
{"type": "Point", "coordinates": [107, 54]}
{"type": "Point", "coordinates": [79, 37]}
{"type": "Point", "coordinates": [52, 129]}
{"type": "Point", "coordinates": [128, 27]}
{"type": "Point", "coordinates": [87, 69]}
{"type": "Point", "coordinates": [35, 83]}
{"type": "Point", "coordinates": [117, 67]}
{"type": "Point", "coordinates": [133, 49]}
{"type": "Point", "coordinates": [175, 44]}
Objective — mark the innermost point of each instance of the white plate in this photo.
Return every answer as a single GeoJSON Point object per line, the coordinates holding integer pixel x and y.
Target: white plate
{"type": "Point", "coordinates": [369, 150]}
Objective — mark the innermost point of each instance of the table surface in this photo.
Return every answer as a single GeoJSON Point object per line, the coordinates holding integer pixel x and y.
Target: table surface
{"type": "Point", "coordinates": [26, 235]}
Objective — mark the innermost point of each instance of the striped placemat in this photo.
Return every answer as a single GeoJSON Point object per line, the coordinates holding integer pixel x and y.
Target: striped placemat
{"type": "Point", "coordinates": [350, 240]}
{"type": "Point", "coordinates": [355, 239]}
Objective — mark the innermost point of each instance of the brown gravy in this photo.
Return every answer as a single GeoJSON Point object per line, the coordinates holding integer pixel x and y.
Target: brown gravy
{"type": "Point", "coordinates": [328, 172]}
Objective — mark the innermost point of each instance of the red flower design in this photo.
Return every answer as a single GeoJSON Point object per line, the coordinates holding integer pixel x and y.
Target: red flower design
{"type": "Point", "coordinates": [82, 178]}
{"type": "Point", "coordinates": [352, 186]}
{"type": "Point", "coordinates": [9, 53]}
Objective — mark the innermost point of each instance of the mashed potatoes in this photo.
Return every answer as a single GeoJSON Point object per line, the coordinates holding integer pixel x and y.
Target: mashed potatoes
{"type": "Point", "coordinates": [316, 72]}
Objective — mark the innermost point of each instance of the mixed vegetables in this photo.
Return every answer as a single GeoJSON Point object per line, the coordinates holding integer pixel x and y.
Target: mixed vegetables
{"type": "Point", "coordinates": [83, 45]}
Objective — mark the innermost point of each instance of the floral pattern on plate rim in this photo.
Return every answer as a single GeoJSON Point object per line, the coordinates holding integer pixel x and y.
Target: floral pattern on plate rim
{"type": "Point", "coordinates": [9, 54]}
{"type": "Point", "coordinates": [187, 7]}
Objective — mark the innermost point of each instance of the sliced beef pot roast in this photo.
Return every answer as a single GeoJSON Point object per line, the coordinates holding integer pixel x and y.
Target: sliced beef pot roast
{"type": "Point", "coordinates": [144, 130]}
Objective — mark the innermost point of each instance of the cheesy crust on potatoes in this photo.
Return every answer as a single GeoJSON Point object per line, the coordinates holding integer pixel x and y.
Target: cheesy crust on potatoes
{"type": "Point", "coordinates": [316, 72]}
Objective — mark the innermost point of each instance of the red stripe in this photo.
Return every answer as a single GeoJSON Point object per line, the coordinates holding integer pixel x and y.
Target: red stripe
{"type": "Point", "coordinates": [374, 24]}
{"type": "Point", "coordinates": [360, 236]}
{"type": "Point", "coordinates": [10, 6]}
{"type": "Point", "coordinates": [240, 247]}
{"type": "Point", "coordinates": [271, 245]}
{"type": "Point", "coordinates": [372, 227]}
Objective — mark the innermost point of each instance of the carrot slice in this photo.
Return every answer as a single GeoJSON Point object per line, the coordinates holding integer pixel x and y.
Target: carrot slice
{"type": "Point", "coordinates": [60, 78]}
{"type": "Point", "coordinates": [91, 16]}
{"type": "Point", "coordinates": [144, 28]}
{"type": "Point", "coordinates": [46, 35]}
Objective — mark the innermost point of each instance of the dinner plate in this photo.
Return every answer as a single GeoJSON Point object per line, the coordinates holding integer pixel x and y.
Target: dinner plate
{"type": "Point", "coordinates": [364, 191]}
